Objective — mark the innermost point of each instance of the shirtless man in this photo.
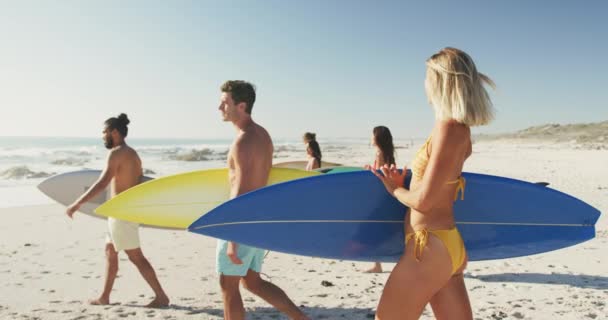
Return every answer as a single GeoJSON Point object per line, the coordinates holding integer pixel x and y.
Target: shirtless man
{"type": "Point", "coordinates": [123, 171]}
{"type": "Point", "coordinates": [249, 163]}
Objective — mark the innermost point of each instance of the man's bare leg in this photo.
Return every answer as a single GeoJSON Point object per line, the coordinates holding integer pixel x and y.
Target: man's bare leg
{"type": "Point", "coordinates": [145, 268]}
{"type": "Point", "coordinates": [377, 268]}
{"type": "Point", "coordinates": [272, 294]}
{"type": "Point", "coordinates": [233, 303]}
{"type": "Point", "coordinates": [111, 271]}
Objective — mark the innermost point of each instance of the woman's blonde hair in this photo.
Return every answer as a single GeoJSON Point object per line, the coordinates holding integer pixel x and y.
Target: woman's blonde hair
{"type": "Point", "coordinates": [455, 88]}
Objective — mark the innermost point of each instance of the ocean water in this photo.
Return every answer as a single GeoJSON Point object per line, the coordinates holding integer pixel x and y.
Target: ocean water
{"type": "Point", "coordinates": [26, 161]}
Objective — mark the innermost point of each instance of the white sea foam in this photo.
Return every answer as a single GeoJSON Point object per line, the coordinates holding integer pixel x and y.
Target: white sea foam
{"type": "Point", "coordinates": [24, 160]}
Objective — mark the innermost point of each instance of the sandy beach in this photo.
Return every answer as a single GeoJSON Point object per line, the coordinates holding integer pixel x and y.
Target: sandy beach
{"type": "Point", "coordinates": [50, 266]}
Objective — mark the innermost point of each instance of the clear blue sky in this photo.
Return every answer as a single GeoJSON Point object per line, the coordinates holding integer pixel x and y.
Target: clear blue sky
{"type": "Point", "coordinates": [337, 68]}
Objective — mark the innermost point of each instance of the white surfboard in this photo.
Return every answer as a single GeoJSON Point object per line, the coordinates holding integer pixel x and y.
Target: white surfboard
{"type": "Point", "coordinates": [65, 188]}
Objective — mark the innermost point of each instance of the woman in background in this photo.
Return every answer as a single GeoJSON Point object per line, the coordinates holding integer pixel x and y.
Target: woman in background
{"type": "Point", "coordinates": [382, 140]}
{"type": "Point", "coordinates": [313, 151]}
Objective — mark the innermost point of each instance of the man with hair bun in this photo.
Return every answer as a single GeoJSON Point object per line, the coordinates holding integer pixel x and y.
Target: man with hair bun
{"type": "Point", "coordinates": [123, 170]}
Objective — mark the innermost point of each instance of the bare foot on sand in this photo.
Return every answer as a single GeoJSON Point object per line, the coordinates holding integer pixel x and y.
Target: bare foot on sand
{"type": "Point", "coordinates": [99, 301]}
{"type": "Point", "coordinates": [158, 302]}
{"type": "Point", "coordinates": [377, 268]}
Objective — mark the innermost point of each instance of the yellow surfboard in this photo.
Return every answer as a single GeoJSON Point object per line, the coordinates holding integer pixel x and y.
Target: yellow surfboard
{"type": "Point", "coordinates": [178, 200]}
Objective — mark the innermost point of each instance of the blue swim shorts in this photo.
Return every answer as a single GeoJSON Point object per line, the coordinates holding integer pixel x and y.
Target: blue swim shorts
{"type": "Point", "coordinates": [252, 259]}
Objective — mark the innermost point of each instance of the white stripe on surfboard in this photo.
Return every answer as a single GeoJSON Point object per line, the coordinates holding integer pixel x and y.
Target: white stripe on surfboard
{"type": "Point", "coordinates": [386, 221]}
{"type": "Point", "coordinates": [527, 224]}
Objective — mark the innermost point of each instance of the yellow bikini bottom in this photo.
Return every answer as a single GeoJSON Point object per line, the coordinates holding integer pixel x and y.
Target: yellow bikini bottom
{"type": "Point", "coordinates": [450, 238]}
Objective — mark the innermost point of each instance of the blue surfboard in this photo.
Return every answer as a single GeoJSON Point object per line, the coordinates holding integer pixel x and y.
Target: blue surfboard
{"type": "Point", "coordinates": [351, 216]}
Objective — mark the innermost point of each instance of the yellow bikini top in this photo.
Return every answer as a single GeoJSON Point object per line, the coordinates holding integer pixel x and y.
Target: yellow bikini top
{"type": "Point", "coordinates": [421, 160]}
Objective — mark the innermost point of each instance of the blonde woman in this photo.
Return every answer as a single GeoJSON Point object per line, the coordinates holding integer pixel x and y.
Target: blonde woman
{"type": "Point", "coordinates": [431, 268]}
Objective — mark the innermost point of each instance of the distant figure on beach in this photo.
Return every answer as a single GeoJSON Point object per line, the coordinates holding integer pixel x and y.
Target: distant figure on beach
{"type": "Point", "coordinates": [309, 136]}
{"type": "Point", "coordinates": [382, 140]}
{"type": "Point", "coordinates": [313, 151]}
{"type": "Point", "coordinates": [431, 268]}
{"type": "Point", "coordinates": [249, 163]}
{"type": "Point", "coordinates": [123, 170]}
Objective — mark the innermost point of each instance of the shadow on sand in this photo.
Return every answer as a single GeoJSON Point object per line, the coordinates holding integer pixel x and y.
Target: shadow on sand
{"type": "Point", "coordinates": [579, 281]}
{"type": "Point", "coordinates": [270, 313]}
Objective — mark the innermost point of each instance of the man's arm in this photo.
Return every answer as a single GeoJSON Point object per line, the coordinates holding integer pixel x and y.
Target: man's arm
{"type": "Point", "coordinates": [244, 156]}
{"type": "Point", "coordinates": [102, 182]}
{"type": "Point", "coordinates": [244, 159]}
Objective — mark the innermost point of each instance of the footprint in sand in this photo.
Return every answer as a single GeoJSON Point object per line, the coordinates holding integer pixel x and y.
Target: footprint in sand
{"type": "Point", "coordinates": [186, 299]}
